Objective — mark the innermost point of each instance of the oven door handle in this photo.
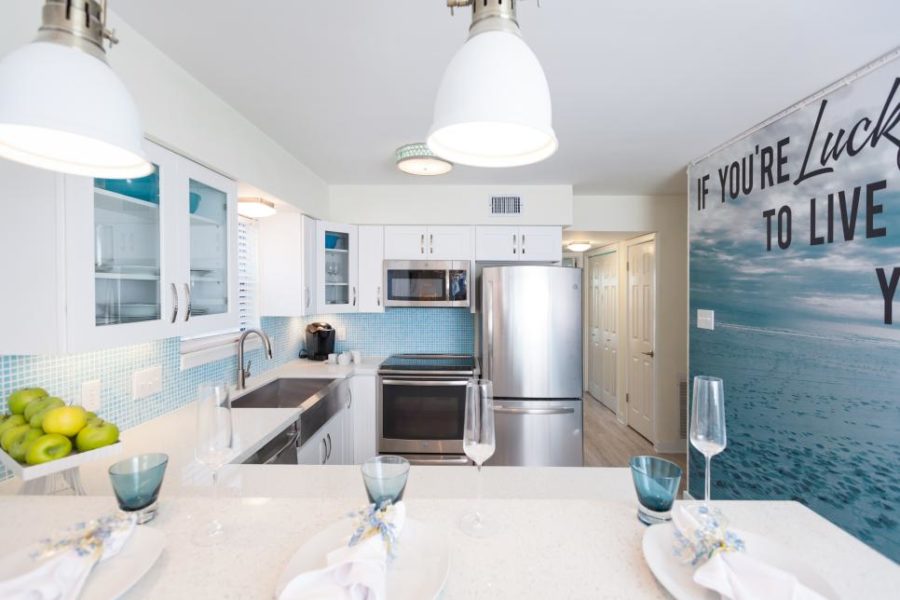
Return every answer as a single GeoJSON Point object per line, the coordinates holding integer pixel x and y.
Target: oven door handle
{"type": "Point", "coordinates": [456, 460]}
{"type": "Point", "coordinates": [533, 411]}
{"type": "Point", "coordinates": [420, 383]}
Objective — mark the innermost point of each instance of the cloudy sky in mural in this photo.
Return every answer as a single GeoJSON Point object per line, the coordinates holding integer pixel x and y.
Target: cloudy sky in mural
{"type": "Point", "coordinates": [830, 288]}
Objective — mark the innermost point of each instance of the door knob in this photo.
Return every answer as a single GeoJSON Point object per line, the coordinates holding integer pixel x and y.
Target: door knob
{"type": "Point", "coordinates": [650, 354]}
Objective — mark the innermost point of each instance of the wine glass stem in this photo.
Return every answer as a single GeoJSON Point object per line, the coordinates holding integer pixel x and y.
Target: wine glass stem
{"type": "Point", "coordinates": [708, 477]}
{"type": "Point", "coordinates": [479, 485]}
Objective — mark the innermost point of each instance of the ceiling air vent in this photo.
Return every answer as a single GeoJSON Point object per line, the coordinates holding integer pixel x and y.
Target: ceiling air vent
{"type": "Point", "coordinates": [506, 205]}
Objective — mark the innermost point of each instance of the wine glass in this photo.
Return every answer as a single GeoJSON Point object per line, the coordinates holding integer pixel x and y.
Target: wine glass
{"type": "Point", "coordinates": [479, 445]}
{"type": "Point", "coordinates": [215, 447]}
{"type": "Point", "coordinates": [708, 421]}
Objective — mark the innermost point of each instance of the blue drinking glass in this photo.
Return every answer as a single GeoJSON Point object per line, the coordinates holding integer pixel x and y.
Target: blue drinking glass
{"type": "Point", "coordinates": [385, 478]}
{"type": "Point", "coordinates": [136, 482]}
{"type": "Point", "coordinates": [656, 483]}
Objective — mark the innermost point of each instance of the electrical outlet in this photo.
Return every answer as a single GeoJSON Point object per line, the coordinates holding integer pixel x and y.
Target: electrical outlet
{"type": "Point", "coordinates": [146, 382]}
{"type": "Point", "coordinates": [706, 319]}
{"type": "Point", "coordinates": [90, 395]}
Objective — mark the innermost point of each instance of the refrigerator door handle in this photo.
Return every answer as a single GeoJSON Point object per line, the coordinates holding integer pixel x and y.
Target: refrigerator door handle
{"type": "Point", "coordinates": [490, 330]}
{"type": "Point", "coordinates": [533, 411]}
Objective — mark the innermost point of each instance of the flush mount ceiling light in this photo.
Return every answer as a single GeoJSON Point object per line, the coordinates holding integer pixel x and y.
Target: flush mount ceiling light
{"type": "Point", "coordinates": [255, 208]}
{"type": "Point", "coordinates": [493, 107]}
{"type": "Point", "coordinates": [579, 246]}
{"type": "Point", "coordinates": [417, 159]}
{"type": "Point", "coordinates": [62, 107]}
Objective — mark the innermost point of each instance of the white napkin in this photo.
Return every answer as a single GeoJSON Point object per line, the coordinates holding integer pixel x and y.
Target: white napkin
{"type": "Point", "coordinates": [352, 573]}
{"type": "Point", "coordinates": [738, 576]}
{"type": "Point", "coordinates": [62, 564]}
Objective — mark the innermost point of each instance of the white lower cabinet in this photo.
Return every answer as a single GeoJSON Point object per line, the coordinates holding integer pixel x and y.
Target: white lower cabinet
{"type": "Point", "coordinates": [362, 415]}
{"type": "Point", "coordinates": [330, 445]}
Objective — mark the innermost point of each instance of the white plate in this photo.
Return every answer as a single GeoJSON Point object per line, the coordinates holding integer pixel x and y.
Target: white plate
{"type": "Point", "coordinates": [418, 572]}
{"type": "Point", "coordinates": [677, 577]}
{"type": "Point", "coordinates": [111, 578]}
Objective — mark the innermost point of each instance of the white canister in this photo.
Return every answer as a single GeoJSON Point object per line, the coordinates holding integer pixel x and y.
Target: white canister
{"type": "Point", "coordinates": [356, 355]}
{"type": "Point", "coordinates": [344, 358]}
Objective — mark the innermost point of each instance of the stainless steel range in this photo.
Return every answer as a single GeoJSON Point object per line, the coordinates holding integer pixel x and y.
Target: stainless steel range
{"type": "Point", "coordinates": [421, 407]}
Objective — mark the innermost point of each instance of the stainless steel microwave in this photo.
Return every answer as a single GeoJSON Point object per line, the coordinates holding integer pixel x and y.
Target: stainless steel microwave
{"type": "Point", "coordinates": [427, 283]}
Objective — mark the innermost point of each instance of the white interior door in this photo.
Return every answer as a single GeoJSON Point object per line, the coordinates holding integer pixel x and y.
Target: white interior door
{"type": "Point", "coordinates": [604, 339]}
{"type": "Point", "coordinates": [595, 369]}
{"type": "Point", "coordinates": [641, 328]}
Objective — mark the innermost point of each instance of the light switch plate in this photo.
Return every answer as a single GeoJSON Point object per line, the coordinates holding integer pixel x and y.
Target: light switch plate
{"type": "Point", "coordinates": [146, 382]}
{"type": "Point", "coordinates": [90, 395]}
{"type": "Point", "coordinates": [706, 319]}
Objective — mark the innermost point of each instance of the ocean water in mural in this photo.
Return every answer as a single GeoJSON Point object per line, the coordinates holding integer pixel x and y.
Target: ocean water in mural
{"type": "Point", "coordinates": [807, 335]}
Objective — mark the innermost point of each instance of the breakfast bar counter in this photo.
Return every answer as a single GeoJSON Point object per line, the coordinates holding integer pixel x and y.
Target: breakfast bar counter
{"type": "Point", "coordinates": [574, 536]}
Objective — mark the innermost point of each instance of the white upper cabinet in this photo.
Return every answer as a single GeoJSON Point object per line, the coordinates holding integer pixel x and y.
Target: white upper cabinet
{"type": "Point", "coordinates": [109, 263]}
{"type": "Point", "coordinates": [371, 268]}
{"type": "Point", "coordinates": [287, 265]}
{"type": "Point", "coordinates": [518, 244]}
{"type": "Point", "coordinates": [421, 242]}
{"type": "Point", "coordinates": [337, 287]}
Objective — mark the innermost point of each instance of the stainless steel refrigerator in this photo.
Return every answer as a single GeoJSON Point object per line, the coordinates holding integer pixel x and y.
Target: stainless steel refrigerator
{"type": "Point", "coordinates": [531, 349]}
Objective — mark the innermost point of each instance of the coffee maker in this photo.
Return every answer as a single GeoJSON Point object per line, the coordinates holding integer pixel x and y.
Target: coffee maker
{"type": "Point", "coordinates": [319, 341]}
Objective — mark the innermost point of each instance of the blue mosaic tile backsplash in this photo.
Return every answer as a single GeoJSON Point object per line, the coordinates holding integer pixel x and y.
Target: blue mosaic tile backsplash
{"type": "Point", "coordinates": [397, 330]}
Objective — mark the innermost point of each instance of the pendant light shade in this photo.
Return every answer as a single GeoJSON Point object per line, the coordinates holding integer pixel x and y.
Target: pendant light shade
{"type": "Point", "coordinates": [493, 107]}
{"type": "Point", "coordinates": [63, 108]}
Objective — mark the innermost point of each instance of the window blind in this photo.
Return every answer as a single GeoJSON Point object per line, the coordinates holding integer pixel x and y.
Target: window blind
{"type": "Point", "coordinates": [248, 273]}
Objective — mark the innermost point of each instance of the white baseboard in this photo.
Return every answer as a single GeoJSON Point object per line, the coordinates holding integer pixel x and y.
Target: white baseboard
{"type": "Point", "coordinates": [676, 447]}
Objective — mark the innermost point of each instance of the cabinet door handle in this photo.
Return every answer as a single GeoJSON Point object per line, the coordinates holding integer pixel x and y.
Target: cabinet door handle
{"type": "Point", "coordinates": [174, 303]}
{"type": "Point", "coordinates": [307, 296]}
{"type": "Point", "coordinates": [187, 294]}
{"type": "Point", "coordinates": [523, 243]}
{"type": "Point", "coordinates": [354, 295]}
{"type": "Point", "coordinates": [422, 244]}
{"type": "Point", "coordinates": [323, 456]}
{"type": "Point", "coordinates": [329, 446]}
{"type": "Point", "coordinates": [431, 243]}
{"type": "Point", "coordinates": [349, 397]}
{"type": "Point", "coordinates": [378, 297]}
{"type": "Point", "coordinates": [514, 243]}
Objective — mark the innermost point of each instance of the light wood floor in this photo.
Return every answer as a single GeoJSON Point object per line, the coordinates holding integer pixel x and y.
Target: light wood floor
{"type": "Point", "coordinates": [608, 443]}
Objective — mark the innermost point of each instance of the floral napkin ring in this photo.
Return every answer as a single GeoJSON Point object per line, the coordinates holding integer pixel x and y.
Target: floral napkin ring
{"type": "Point", "coordinates": [86, 538]}
{"type": "Point", "coordinates": [701, 533]}
{"type": "Point", "coordinates": [372, 521]}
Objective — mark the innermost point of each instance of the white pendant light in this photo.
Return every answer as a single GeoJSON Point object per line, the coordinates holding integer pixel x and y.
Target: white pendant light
{"type": "Point", "coordinates": [62, 107]}
{"type": "Point", "coordinates": [493, 108]}
{"type": "Point", "coordinates": [255, 208]}
{"type": "Point", "coordinates": [417, 159]}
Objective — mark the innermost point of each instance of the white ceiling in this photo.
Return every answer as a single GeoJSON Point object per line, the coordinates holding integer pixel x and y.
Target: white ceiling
{"type": "Point", "coordinates": [639, 88]}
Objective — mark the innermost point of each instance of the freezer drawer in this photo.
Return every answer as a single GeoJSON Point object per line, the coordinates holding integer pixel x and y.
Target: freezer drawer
{"type": "Point", "coordinates": [534, 433]}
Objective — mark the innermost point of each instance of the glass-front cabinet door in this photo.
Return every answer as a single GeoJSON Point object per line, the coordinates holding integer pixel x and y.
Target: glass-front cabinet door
{"type": "Point", "coordinates": [209, 258]}
{"type": "Point", "coordinates": [336, 257]}
{"type": "Point", "coordinates": [118, 268]}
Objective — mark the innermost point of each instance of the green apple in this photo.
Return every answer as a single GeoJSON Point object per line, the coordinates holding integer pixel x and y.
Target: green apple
{"type": "Point", "coordinates": [13, 421]}
{"type": "Point", "coordinates": [49, 446]}
{"type": "Point", "coordinates": [18, 447]}
{"type": "Point", "coordinates": [96, 434]}
{"type": "Point", "coordinates": [67, 420]}
{"type": "Point", "coordinates": [19, 399]}
{"type": "Point", "coordinates": [39, 404]}
{"type": "Point", "coordinates": [7, 437]}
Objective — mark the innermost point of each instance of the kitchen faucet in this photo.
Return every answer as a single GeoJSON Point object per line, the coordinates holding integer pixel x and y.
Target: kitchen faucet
{"type": "Point", "coordinates": [244, 373]}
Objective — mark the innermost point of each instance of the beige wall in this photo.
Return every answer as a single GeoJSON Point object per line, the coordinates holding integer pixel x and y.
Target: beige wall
{"type": "Point", "coordinates": [448, 204]}
{"type": "Point", "coordinates": [182, 114]}
{"type": "Point", "coordinates": [666, 216]}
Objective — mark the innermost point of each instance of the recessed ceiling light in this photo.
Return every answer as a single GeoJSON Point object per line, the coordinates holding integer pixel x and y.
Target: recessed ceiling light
{"type": "Point", "coordinates": [255, 208]}
{"type": "Point", "coordinates": [62, 107]}
{"type": "Point", "coordinates": [417, 159]}
{"type": "Point", "coordinates": [578, 246]}
{"type": "Point", "coordinates": [493, 107]}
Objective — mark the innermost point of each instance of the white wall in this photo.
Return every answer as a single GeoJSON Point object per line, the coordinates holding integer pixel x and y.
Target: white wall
{"type": "Point", "coordinates": [448, 204]}
{"type": "Point", "coordinates": [666, 216]}
{"type": "Point", "coordinates": [179, 112]}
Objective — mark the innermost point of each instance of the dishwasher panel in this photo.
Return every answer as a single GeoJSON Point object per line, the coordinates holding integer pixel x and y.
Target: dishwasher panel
{"type": "Point", "coordinates": [538, 433]}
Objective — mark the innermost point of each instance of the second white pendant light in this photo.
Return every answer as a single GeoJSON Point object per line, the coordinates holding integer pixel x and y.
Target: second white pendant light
{"type": "Point", "coordinates": [493, 107]}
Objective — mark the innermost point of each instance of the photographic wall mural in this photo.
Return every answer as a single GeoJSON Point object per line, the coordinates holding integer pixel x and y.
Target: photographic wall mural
{"type": "Point", "coordinates": [795, 244]}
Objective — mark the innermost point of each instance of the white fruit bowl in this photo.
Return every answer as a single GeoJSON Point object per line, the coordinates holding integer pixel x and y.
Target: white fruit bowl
{"type": "Point", "coordinates": [76, 459]}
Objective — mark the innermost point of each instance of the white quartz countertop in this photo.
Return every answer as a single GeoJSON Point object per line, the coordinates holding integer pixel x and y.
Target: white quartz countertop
{"type": "Point", "coordinates": [544, 548]}
{"type": "Point", "coordinates": [174, 433]}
